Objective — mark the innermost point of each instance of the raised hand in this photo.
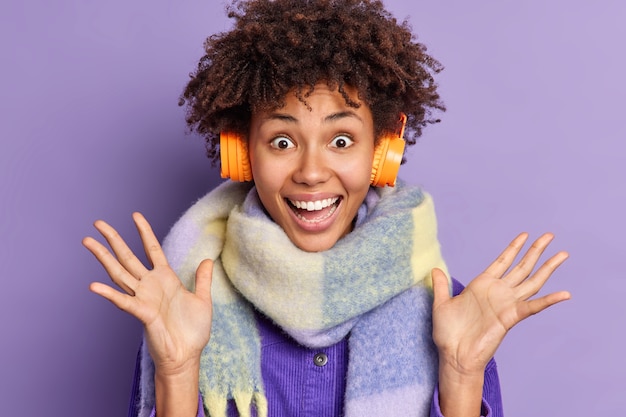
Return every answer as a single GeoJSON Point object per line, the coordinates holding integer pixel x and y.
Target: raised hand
{"type": "Point", "coordinates": [468, 328]}
{"type": "Point", "coordinates": [177, 322]}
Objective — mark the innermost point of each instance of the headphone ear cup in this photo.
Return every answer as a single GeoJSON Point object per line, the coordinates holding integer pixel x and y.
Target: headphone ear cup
{"type": "Point", "coordinates": [388, 157]}
{"type": "Point", "coordinates": [235, 162]}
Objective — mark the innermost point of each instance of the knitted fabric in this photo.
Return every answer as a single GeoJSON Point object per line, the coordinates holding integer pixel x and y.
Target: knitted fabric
{"type": "Point", "coordinates": [373, 284]}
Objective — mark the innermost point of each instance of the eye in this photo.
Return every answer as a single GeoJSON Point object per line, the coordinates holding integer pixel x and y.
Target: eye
{"type": "Point", "coordinates": [282, 142]}
{"type": "Point", "coordinates": [341, 141]}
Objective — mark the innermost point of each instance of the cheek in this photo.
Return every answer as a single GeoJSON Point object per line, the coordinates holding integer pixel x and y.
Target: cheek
{"type": "Point", "coordinates": [269, 180]}
{"type": "Point", "coordinates": [356, 174]}
{"type": "Point", "coordinates": [268, 186]}
{"type": "Point", "coordinates": [265, 176]}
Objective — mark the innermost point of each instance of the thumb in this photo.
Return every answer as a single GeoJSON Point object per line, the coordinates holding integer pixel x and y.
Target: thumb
{"type": "Point", "coordinates": [441, 289]}
{"type": "Point", "coordinates": [204, 275]}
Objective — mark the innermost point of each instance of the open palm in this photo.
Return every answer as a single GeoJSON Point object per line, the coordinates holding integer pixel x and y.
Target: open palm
{"type": "Point", "coordinates": [468, 328]}
{"type": "Point", "coordinates": [177, 322]}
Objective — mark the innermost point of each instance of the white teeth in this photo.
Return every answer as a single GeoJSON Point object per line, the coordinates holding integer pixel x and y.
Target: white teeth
{"type": "Point", "coordinates": [314, 205]}
{"type": "Point", "coordinates": [323, 217]}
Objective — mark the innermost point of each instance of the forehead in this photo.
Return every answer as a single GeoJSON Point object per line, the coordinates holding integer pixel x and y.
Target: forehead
{"type": "Point", "coordinates": [320, 98]}
{"type": "Point", "coordinates": [321, 107]}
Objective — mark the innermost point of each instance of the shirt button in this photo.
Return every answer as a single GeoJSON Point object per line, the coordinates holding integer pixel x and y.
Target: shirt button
{"type": "Point", "coordinates": [320, 359]}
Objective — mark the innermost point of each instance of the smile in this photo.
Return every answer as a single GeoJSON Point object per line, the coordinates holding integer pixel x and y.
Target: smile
{"type": "Point", "coordinates": [314, 211]}
{"type": "Point", "coordinates": [314, 205]}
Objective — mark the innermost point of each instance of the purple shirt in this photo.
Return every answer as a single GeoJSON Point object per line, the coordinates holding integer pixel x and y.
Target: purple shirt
{"type": "Point", "coordinates": [303, 382]}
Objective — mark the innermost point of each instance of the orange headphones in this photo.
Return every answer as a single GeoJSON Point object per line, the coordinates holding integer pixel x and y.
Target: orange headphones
{"type": "Point", "coordinates": [387, 157]}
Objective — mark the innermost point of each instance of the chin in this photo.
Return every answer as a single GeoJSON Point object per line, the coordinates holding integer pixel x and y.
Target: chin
{"type": "Point", "coordinates": [314, 243]}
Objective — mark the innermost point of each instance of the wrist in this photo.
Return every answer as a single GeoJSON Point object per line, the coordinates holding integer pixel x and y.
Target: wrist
{"type": "Point", "coordinates": [459, 375]}
{"type": "Point", "coordinates": [176, 390]}
{"type": "Point", "coordinates": [178, 369]}
{"type": "Point", "coordinates": [178, 375]}
{"type": "Point", "coordinates": [460, 365]}
{"type": "Point", "coordinates": [460, 390]}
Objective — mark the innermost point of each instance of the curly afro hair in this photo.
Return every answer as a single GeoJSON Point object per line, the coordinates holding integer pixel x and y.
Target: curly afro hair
{"type": "Point", "coordinates": [278, 46]}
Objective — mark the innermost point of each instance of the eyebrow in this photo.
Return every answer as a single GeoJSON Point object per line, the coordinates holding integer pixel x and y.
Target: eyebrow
{"type": "Point", "coordinates": [330, 118]}
{"type": "Point", "coordinates": [341, 115]}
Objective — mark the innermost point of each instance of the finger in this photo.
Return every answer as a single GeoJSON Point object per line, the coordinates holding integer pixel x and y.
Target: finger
{"type": "Point", "coordinates": [533, 284]}
{"type": "Point", "coordinates": [526, 265]}
{"type": "Point", "coordinates": [124, 254]}
{"type": "Point", "coordinates": [506, 258]}
{"type": "Point", "coordinates": [116, 271]}
{"type": "Point", "coordinates": [441, 289]}
{"type": "Point", "coordinates": [122, 301]}
{"type": "Point", "coordinates": [151, 244]}
{"type": "Point", "coordinates": [204, 275]}
{"type": "Point", "coordinates": [539, 304]}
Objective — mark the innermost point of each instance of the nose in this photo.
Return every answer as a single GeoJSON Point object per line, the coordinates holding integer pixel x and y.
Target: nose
{"type": "Point", "coordinates": [313, 167]}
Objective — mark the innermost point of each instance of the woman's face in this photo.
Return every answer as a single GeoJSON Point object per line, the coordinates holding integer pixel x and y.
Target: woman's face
{"type": "Point", "coordinates": [312, 166]}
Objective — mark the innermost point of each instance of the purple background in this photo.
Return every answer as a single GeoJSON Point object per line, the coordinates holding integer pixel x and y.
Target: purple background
{"type": "Point", "coordinates": [90, 128]}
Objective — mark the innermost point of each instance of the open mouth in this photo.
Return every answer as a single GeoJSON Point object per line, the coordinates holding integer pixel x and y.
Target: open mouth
{"type": "Point", "coordinates": [314, 211]}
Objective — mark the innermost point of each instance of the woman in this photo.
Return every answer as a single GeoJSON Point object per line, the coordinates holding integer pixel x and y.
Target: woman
{"type": "Point", "coordinates": [314, 287]}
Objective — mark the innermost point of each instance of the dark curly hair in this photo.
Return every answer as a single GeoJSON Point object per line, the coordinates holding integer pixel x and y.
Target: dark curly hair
{"type": "Point", "coordinates": [281, 45]}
